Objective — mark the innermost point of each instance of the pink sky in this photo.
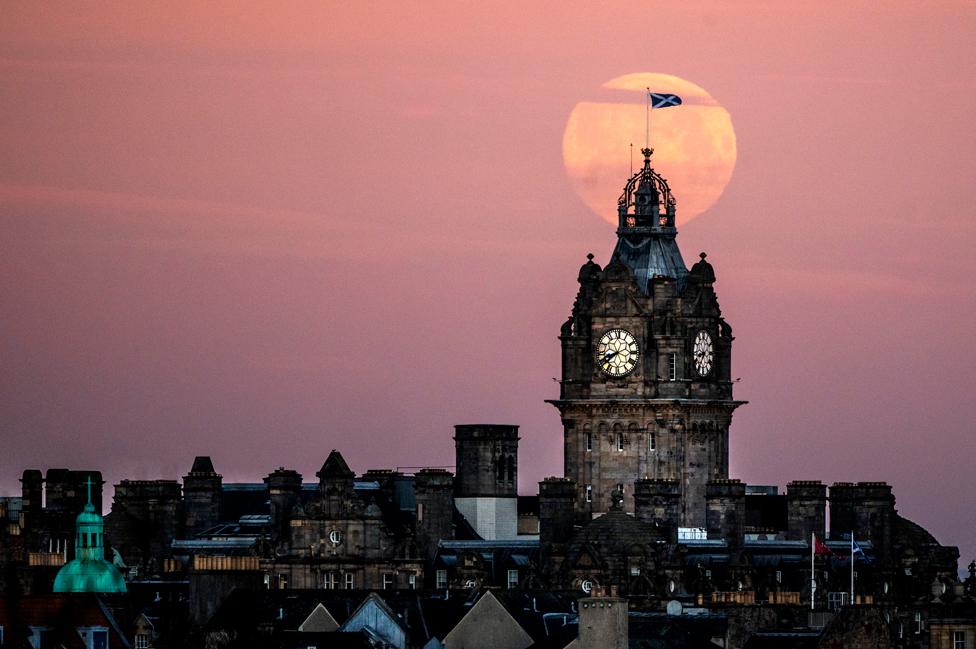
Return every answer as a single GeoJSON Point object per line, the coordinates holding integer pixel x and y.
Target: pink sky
{"type": "Point", "coordinates": [261, 233]}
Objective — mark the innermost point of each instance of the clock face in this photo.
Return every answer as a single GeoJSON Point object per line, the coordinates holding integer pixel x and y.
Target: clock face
{"type": "Point", "coordinates": [617, 353]}
{"type": "Point", "coordinates": [703, 353]}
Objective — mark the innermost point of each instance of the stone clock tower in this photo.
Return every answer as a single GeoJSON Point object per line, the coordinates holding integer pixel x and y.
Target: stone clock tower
{"type": "Point", "coordinates": [646, 389]}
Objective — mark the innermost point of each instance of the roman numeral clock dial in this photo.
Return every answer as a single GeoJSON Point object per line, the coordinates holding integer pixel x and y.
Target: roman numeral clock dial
{"type": "Point", "coordinates": [703, 353]}
{"type": "Point", "coordinates": [617, 353]}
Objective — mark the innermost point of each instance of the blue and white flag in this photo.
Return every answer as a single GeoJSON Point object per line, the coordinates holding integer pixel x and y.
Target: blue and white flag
{"type": "Point", "coordinates": [857, 550]}
{"type": "Point", "coordinates": [659, 100]}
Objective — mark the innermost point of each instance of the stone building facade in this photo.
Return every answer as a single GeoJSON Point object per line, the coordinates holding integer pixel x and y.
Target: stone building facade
{"type": "Point", "coordinates": [646, 389]}
{"type": "Point", "coordinates": [646, 509]}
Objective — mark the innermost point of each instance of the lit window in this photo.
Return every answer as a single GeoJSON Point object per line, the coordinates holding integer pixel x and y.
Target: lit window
{"type": "Point", "coordinates": [420, 512]}
{"type": "Point", "coordinates": [620, 441]}
{"type": "Point", "coordinates": [441, 579]}
{"type": "Point", "coordinates": [958, 640]}
{"type": "Point", "coordinates": [350, 581]}
{"type": "Point", "coordinates": [918, 623]}
{"type": "Point", "coordinates": [142, 641]}
{"type": "Point", "coordinates": [589, 442]}
{"type": "Point", "coordinates": [513, 578]}
{"type": "Point", "coordinates": [673, 367]}
{"type": "Point", "coordinates": [387, 581]}
{"type": "Point", "coordinates": [330, 581]}
{"type": "Point", "coordinates": [412, 582]}
{"type": "Point", "coordinates": [589, 493]}
{"type": "Point", "coordinates": [651, 441]}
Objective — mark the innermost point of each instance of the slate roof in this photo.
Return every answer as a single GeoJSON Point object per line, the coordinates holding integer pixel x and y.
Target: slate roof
{"type": "Point", "coordinates": [335, 467]}
{"type": "Point", "coordinates": [202, 464]}
{"type": "Point", "coordinates": [548, 617]}
{"type": "Point", "coordinates": [63, 613]}
{"type": "Point", "coordinates": [651, 256]}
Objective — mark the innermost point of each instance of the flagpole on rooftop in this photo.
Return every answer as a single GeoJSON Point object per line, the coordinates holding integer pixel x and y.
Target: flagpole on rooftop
{"type": "Point", "coordinates": [852, 567]}
{"type": "Point", "coordinates": [647, 118]}
{"type": "Point", "coordinates": [813, 578]}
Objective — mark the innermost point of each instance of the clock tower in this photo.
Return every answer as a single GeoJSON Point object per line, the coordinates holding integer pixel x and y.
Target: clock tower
{"type": "Point", "coordinates": [646, 389]}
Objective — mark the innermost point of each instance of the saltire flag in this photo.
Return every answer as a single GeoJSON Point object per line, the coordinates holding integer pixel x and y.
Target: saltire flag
{"type": "Point", "coordinates": [661, 100]}
{"type": "Point", "coordinates": [857, 550]}
{"type": "Point", "coordinates": [820, 548]}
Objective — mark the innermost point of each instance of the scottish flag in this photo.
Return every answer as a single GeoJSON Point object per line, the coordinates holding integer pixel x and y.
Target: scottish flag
{"type": "Point", "coordinates": [660, 100]}
{"type": "Point", "coordinates": [857, 551]}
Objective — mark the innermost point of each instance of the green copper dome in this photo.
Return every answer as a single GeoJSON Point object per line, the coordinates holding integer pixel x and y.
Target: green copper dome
{"type": "Point", "coordinates": [89, 572]}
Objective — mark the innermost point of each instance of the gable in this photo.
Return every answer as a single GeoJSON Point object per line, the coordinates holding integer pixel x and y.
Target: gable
{"type": "Point", "coordinates": [319, 621]}
{"type": "Point", "coordinates": [488, 626]}
{"type": "Point", "coordinates": [376, 617]}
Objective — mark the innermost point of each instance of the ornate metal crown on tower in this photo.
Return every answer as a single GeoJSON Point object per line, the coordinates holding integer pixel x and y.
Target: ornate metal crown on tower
{"type": "Point", "coordinates": [646, 203]}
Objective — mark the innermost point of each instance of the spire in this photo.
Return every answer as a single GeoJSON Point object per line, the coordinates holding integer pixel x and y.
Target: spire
{"type": "Point", "coordinates": [89, 483]}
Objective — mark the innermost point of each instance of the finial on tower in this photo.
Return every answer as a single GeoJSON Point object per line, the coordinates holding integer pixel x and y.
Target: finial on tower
{"type": "Point", "coordinates": [647, 151]}
{"type": "Point", "coordinates": [589, 256]}
{"type": "Point", "coordinates": [89, 483]}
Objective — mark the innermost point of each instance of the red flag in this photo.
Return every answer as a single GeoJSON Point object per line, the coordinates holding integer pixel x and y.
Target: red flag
{"type": "Point", "coordinates": [821, 549]}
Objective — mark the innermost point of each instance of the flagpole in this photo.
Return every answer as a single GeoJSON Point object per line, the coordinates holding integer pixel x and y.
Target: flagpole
{"type": "Point", "coordinates": [647, 118]}
{"type": "Point", "coordinates": [813, 578]}
{"type": "Point", "coordinates": [631, 158]}
{"type": "Point", "coordinates": [852, 567]}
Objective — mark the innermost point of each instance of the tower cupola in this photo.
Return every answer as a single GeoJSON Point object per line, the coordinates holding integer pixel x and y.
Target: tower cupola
{"type": "Point", "coordinates": [89, 572]}
{"type": "Point", "coordinates": [646, 228]}
{"type": "Point", "coordinates": [646, 202]}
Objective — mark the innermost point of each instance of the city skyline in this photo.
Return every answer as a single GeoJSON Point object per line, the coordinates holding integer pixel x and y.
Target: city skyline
{"type": "Point", "coordinates": [262, 234]}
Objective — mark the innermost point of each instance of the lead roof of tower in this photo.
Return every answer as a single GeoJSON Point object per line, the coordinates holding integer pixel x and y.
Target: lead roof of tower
{"type": "Point", "coordinates": [646, 234]}
{"type": "Point", "coordinates": [202, 464]}
{"type": "Point", "coordinates": [335, 467]}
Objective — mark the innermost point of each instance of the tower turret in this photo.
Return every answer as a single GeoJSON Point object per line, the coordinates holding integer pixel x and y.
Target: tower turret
{"type": "Point", "coordinates": [486, 484]}
{"type": "Point", "coordinates": [89, 572]}
{"type": "Point", "coordinates": [646, 365]}
{"type": "Point", "coordinates": [646, 228]}
{"type": "Point", "coordinates": [201, 496]}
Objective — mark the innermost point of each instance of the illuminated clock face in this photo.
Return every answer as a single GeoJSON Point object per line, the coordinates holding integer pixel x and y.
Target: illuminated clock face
{"type": "Point", "coordinates": [703, 353]}
{"type": "Point", "coordinates": [617, 353]}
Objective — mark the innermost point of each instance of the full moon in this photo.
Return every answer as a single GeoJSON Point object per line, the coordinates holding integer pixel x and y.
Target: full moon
{"type": "Point", "coordinates": [694, 143]}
